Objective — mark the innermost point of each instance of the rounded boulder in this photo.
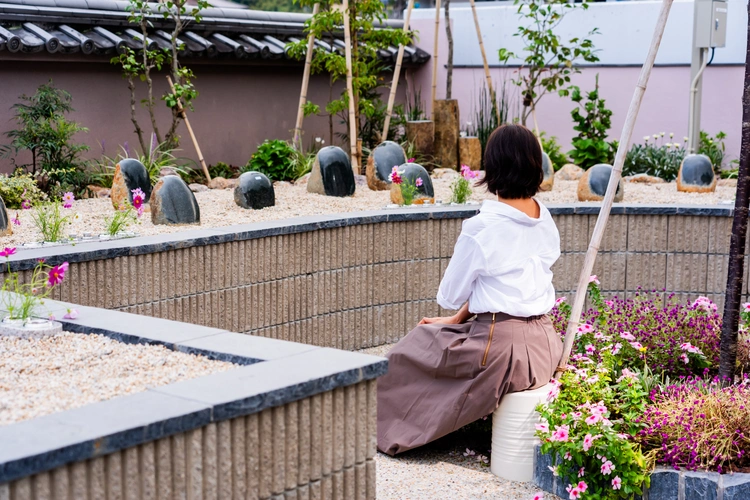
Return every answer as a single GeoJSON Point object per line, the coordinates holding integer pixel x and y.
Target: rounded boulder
{"type": "Point", "coordinates": [254, 190]}
{"type": "Point", "coordinates": [331, 173]}
{"type": "Point", "coordinates": [696, 175]}
{"type": "Point", "coordinates": [380, 163]}
{"type": "Point", "coordinates": [172, 202]}
{"type": "Point", "coordinates": [592, 186]}
{"type": "Point", "coordinates": [130, 174]}
{"type": "Point", "coordinates": [549, 173]}
{"type": "Point", "coordinates": [5, 227]}
{"type": "Point", "coordinates": [410, 172]}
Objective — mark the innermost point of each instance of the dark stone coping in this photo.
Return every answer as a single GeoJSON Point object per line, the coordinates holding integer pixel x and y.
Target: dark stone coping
{"type": "Point", "coordinates": [666, 484]}
{"type": "Point", "coordinates": [88, 251]}
{"type": "Point", "coordinates": [275, 373]}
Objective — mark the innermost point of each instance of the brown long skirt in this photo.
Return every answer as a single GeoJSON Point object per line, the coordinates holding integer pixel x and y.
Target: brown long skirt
{"type": "Point", "coordinates": [442, 377]}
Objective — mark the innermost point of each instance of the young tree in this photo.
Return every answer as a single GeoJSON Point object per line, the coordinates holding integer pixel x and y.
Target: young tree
{"type": "Point", "coordinates": [730, 323]}
{"type": "Point", "coordinates": [366, 39]}
{"type": "Point", "coordinates": [548, 61]}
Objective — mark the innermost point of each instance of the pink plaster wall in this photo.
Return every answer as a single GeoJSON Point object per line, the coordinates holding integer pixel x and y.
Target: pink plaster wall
{"type": "Point", "coordinates": [664, 108]}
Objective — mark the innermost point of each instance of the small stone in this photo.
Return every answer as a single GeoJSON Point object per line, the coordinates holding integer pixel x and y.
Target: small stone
{"type": "Point", "coordinates": [380, 163]}
{"type": "Point", "coordinates": [445, 173]}
{"type": "Point", "coordinates": [172, 202]}
{"type": "Point", "coordinates": [165, 171]}
{"type": "Point", "coordinates": [5, 228]}
{"type": "Point", "coordinates": [569, 172]}
{"type": "Point", "coordinates": [696, 175]}
{"type": "Point", "coordinates": [233, 183]}
{"type": "Point", "coordinates": [549, 173]}
{"type": "Point", "coordinates": [332, 173]}
{"type": "Point", "coordinates": [255, 191]}
{"type": "Point", "coordinates": [129, 175]}
{"type": "Point", "coordinates": [218, 183]}
{"type": "Point", "coordinates": [593, 185]}
{"type": "Point", "coordinates": [410, 172]}
{"type": "Point", "coordinates": [198, 188]}
{"type": "Point", "coordinates": [645, 179]}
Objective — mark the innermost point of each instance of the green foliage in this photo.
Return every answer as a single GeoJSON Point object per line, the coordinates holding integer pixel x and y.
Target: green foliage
{"type": "Point", "coordinates": [554, 151]}
{"type": "Point", "coordinates": [221, 169]}
{"type": "Point", "coordinates": [460, 190]}
{"type": "Point", "coordinates": [593, 120]}
{"type": "Point", "coordinates": [549, 61]}
{"type": "Point", "coordinates": [275, 159]}
{"type": "Point", "coordinates": [50, 221]}
{"type": "Point", "coordinates": [484, 120]}
{"type": "Point", "coordinates": [44, 131]}
{"type": "Point", "coordinates": [714, 148]}
{"type": "Point", "coordinates": [272, 5]}
{"type": "Point", "coordinates": [655, 157]}
{"type": "Point", "coordinates": [414, 155]}
{"type": "Point", "coordinates": [22, 300]}
{"type": "Point", "coordinates": [18, 188]}
{"type": "Point", "coordinates": [415, 106]}
{"type": "Point", "coordinates": [366, 39]}
{"type": "Point", "coordinates": [156, 157]}
{"type": "Point", "coordinates": [120, 221]}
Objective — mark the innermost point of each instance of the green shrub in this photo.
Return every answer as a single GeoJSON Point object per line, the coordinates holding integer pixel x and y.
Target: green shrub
{"type": "Point", "coordinates": [222, 169]}
{"type": "Point", "coordinates": [655, 158]}
{"type": "Point", "coordinates": [19, 187]}
{"type": "Point", "coordinates": [714, 148]}
{"type": "Point", "coordinates": [275, 158]}
{"type": "Point", "coordinates": [593, 120]}
{"type": "Point", "coordinates": [554, 151]}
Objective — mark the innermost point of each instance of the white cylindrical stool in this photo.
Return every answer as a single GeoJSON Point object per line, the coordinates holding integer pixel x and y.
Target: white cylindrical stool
{"type": "Point", "coordinates": [513, 439]}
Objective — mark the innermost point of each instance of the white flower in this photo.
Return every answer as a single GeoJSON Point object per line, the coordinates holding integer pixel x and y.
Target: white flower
{"type": "Point", "coordinates": [685, 139]}
{"type": "Point", "coordinates": [646, 138]}
{"type": "Point", "coordinates": [671, 135]}
{"type": "Point", "coordinates": [318, 139]}
{"type": "Point", "coordinates": [662, 134]}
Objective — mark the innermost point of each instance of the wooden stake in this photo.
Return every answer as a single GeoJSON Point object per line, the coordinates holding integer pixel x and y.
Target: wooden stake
{"type": "Point", "coordinates": [297, 141]}
{"type": "Point", "coordinates": [435, 57]}
{"type": "Point", "coordinates": [536, 127]}
{"type": "Point", "coordinates": [614, 179]}
{"type": "Point", "coordinates": [396, 74]}
{"type": "Point", "coordinates": [181, 110]}
{"type": "Point", "coordinates": [350, 89]}
{"type": "Point", "coordinates": [484, 60]}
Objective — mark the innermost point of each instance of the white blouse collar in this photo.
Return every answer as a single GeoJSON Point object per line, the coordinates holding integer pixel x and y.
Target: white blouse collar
{"type": "Point", "coordinates": [500, 208]}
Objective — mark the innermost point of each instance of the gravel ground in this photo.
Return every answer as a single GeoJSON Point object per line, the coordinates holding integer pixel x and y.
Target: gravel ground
{"type": "Point", "coordinates": [218, 207]}
{"type": "Point", "coordinates": [60, 372]}
{"type": "Point", "coordinates": [443, 470]}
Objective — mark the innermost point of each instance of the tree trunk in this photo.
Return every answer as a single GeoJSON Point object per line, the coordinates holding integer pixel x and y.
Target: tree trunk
{"type": "Point", "coordinates": [133, 118]}
{"type": "Point", "coordinates": [449, 35]}
{"type": "Point", "coordinates": [733, 297]}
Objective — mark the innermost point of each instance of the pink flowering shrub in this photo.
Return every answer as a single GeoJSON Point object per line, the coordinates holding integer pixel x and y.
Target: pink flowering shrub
{"type": "Point", "coordinates": [588, 422]}
{"type": "Point", "coordinates": [698, 424]}
{"type": "Point", "coordinates": [669, 337]}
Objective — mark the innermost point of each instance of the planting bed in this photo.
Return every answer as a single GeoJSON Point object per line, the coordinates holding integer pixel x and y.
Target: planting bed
{"type": "Point", "coordinates": [218, 208]}
{"type": "Point", "coordinates": [60, 372]}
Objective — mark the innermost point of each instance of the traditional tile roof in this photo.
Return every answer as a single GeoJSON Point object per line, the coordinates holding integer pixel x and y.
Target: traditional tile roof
{"type": "Point", "coordinates": [90, 28]}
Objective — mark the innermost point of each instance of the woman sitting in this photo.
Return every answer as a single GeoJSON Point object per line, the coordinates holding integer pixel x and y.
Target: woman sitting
{"type": "Point", "coordinates": [449, 372]}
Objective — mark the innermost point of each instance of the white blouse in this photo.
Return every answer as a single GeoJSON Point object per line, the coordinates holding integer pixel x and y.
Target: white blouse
{"type": "Point", "coordinates": [502, 263]}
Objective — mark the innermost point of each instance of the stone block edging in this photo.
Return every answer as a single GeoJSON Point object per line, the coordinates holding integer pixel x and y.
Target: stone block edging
{"type": "Point", "coordinates": [97, 250]}
{"type": "Point", "coordinates": [666, 484]}
{"type": "Point", "coordinates": [275, 373]}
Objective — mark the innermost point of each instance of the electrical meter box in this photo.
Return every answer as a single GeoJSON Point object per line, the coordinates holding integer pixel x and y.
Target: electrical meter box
{"type": "Point", "coordinates": [710, 23]}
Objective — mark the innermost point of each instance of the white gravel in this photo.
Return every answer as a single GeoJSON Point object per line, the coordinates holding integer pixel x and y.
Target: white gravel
{"type": "Point", "coordinates": [60, 372]}
{"type": "Point", "coordinates": [218, 207]}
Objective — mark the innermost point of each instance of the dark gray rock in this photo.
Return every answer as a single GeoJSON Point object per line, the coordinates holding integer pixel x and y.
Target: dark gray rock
{"type": "Point", "coordinates": [380, 163]}
{"type": "Point", "coordinates": [701, 485]}
{"type": "Point", "coordinates": [5, 228]}
{"type": "Point", "coordinates": [172, 202]}
{"type": "Point", "coordinates": [696, 174]}
{"type": "Point", "coordinates": [543, 477]}
{"type": "Point", "coordinates": [254, 190]}
{"type": "Point", "coordinates": [411, 172]}
{"type": "Point", "coordinates": [332, 173]}
{"type": "Point", "coordinates": [129, 175]}
{"type": "Point", "coordinates": [593, 185]}
{"type": "Point", "coordinates": [665, 484]}
{"type": "Point", "coordinates": [736, 486]}
{"type": "Point", "coordinates": [549, 173]}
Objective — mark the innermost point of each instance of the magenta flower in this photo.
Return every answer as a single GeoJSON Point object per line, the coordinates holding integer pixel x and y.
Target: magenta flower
{"type": "Point", "coordinates": [593, 279]}
{"type": "Point", "coordinates": [25, 204]}
{"type": "Point", "coordinates": [71, 314]}
{"type": "Point", "coordinates": [16, 221]}
{"type": "Point", "coordinates": [607, 467]}
{"type": "Point", "coordinates": [560, 301]}
{"type": "Point", "coordinates": [561, 434]}
{"type": "Point", "coordinates": [139, 198]}
{"type": "Point", "coordinates": [395, 177]}
{"type": "Point", "coordinates": [616, 483]}
{"type": "Point", "coordinates": [588, 442]}
{"type": "Point", "coordinates": [51, 317]}
{"type": "Point", "coordinates": [538, 496]}
{"type": "Point", "coordinates": [573, 492]}
{"type": "Point", "coordinates": [543, 427]}
{"type": "Point", "coordinates": [57, 274]}
{"type": "Point", "coordinates": [410, 160]}
{"type": "Point", "coordinates": [627, 336]}
{"type": "Point", "coordinates": [418, 182]}
{"type": "Point", "coordinates": [7, 251]}
{"type": "Point", "coordinates": [68, 199]}
{"type": "Point", "coordinates": [593, 419]}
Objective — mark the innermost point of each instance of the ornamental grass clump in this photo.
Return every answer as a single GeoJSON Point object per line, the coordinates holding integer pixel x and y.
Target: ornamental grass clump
{"type": "Point", "coordinates": [698, 424]}
{"type": "Point", "coordinates": [126, 215]}
{"type": "Point", "coordinates": [50, 221]}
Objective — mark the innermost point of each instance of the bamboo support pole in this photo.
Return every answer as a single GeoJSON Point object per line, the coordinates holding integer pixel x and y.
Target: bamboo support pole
{"type": "Point", "coordinates": [350, 89]}
{"type": "Point", "coordinates": [181, 110]}
{"type": "Point", "coordinates": [435, 57]}
{"type": "Point", "coordinates": [614, 179]}
{"type": "Point", "coordinates": [396, 74]}
{"type": "Point", "coordinates": [297, 141]}
{"type": "Point", "coordinates": [484, 61]}
{"type": "Point", "coordinates": [536, 127]}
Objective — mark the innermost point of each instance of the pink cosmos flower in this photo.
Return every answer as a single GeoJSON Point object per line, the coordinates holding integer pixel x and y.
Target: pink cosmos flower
{"type": "Point", "coordinates": [563, 299]}
{"type": "Point", "coordinates": [71, 314]}
{"type": "Point", "coordinates": [410, 160]}
{"type": "Point", "coordinates": [616, 483]}
{"type": "Point", "coordinates": [51, 317]}
{"type": "Point", "coordinates": [636, 345]}
{"type": "Point", "coordinates": [68, 199]}
{"type": "Point", "coordinates": [684, 358]}
{"type": "Point", "coordinates": [15, 220]}
{"type": "Point", "coordinates": [7, 251]}
{"type": "Point", "coordinates": [593, 419]}
{"type": "Point", "coordinates": [594, 279]}
{"type": "Point", "coordinates": [57, 274]}
{"type": "Point", "coordinates": [139, 197]}
{"type": "Point", "coordinates": [607, 468]}
{"type": "Point", "coordinates": [561, 434]}
{"type": "Point", "coordinates": [627, 336]}
{"type": "Point", "coordinates": [418, 182]}
{"type": "Point", "coordinates": [543, 427]}
{"type": "Point", "coordinates": [25, 204]}
{"type": "Point", "coordinates": [395, 177]}
{"type": "Point", "coordinates": [538, 496]}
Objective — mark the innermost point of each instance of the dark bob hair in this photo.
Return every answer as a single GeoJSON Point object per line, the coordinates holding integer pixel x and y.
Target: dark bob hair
{"type": "Point", "coordinates": [513, 163]}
